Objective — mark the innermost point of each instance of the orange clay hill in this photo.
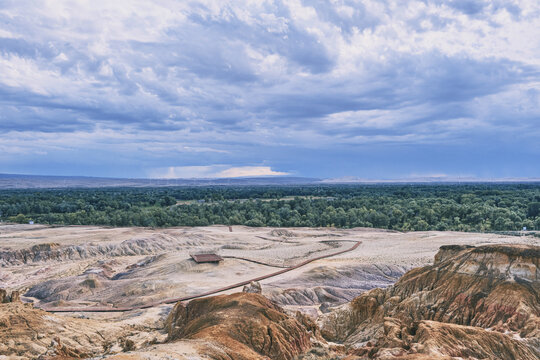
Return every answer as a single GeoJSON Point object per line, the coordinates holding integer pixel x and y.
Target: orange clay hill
{"type": "Point", "coordinates": [247, 325]}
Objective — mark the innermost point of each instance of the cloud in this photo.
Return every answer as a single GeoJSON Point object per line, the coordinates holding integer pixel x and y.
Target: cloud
{"type": "Point", "coordinates": [244, 82]}
{"type": "Point", "coordinates": [246, 171]}
{"type": "Point", "coordinates": [214, 171]}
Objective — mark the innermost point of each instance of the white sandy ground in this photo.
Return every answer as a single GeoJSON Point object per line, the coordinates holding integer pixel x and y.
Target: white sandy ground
{"type": "Point", "coordinates": [165, 269]}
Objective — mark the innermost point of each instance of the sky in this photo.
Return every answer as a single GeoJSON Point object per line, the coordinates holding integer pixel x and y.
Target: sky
{"type": "Point", "coordinates": [371, 89]}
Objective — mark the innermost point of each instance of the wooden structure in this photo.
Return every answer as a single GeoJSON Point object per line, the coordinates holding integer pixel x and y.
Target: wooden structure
{"type": "Point", "coordinates": [206, 258]}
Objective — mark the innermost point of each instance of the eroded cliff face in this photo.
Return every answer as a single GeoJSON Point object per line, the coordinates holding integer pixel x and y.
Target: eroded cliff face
{"type": "Point", "coordinates": [28, 333]}
{"type": "Point", "coordinates": [485, 298]}
{"type": "Point", "coordinates": [246, 325]}
{"type": "Point", "coordinates": [49, 252]}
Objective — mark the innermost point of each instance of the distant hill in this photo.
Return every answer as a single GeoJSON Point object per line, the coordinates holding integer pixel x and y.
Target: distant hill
{"type": "Point", "coordinates": [13, 181]}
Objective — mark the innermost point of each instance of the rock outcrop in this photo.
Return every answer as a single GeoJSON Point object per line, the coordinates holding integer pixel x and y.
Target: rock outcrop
{"type": "Point", "coordinates": [473, 302]}
{"type": "Point", "coordinates": [254, 287]}
{"type": "Point", "coordinates": [436, 340]}
{"type": "Point", "coordinates": [45, 252]}
{"type": "Point", "coordinates": [245, 325]}
{"type": "Point", "coordinates": [5, 297]}
{"type": "Point", "coordinates": [30, 333]}
{"type": "Point", "coordinates": [330, 285]}
{"type": "Point", "coordinates": [27, 333]}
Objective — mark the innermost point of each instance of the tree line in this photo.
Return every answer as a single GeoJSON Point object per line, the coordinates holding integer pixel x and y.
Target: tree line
{"type": "Point", "coordinates": [473, 207]}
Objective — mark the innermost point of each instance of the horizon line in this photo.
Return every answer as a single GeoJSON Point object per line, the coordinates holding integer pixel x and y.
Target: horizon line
{"type": "Point", "coordinates": [329, 180]}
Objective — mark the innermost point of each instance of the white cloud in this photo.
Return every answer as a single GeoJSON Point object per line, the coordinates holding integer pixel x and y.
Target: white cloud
{"type": "Point", "coordinates": [246, 171]}
{"type": "Point", "coordinates": [213, 172]}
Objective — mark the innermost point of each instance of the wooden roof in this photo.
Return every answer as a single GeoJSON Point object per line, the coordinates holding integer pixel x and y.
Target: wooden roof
{"type": "Point", "coordinates": [205, 258]}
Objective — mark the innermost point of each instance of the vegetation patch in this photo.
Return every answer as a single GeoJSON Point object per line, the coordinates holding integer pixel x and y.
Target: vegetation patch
{"type": "Point", "coordinates": [478, 207]}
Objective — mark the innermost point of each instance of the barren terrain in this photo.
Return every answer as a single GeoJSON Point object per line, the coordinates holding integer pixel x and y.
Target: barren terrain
{"type": "Point", "coordinates": [85, 266]}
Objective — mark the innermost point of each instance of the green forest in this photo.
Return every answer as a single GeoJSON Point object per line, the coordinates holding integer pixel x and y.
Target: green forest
{"type": "Point", "coordinates": [473, 207]}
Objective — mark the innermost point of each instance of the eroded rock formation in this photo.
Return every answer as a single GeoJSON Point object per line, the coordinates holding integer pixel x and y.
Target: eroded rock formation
{"type": "Point", "coordinates": [30, 333]}
{"type": "Point", "coordinates": [435, 340]}
{"type": "Point", "coordinates": [6, 297]}
{"type": "Point", "coordinates": [254, 287]}
{"type": "Point", "coordinates": [473, 302]}
{"type": "Point", "coordinates": [246, 325]}
{"type": "Point", "coordinates": [45, 252]}
{"type": "Point", "coordinates": [27, 333]}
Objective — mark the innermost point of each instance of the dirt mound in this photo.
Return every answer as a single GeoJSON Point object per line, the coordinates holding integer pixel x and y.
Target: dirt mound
{"type": "Point", "coordinates": [91, 282]}
{"type": "Point", "coordinates": [282, 233]}
{"type": "Point", "coordinates": [86, 286]}
{"type": "Point", "coordinates": [489, 287]}
{"type": "Point", "coordinates": [247, 326]}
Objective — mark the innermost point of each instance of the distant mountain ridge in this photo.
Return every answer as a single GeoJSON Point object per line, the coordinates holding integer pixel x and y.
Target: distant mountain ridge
{"type": "Point", "coordinates": [16, 181]}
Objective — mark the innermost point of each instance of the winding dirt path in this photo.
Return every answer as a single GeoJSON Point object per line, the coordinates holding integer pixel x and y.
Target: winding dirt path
{"type": "Point", "coordinates": [191, 297]}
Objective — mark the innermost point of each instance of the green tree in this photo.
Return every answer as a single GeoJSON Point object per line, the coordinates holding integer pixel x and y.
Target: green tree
{"type": "Point", "coordinates": [20, 219]}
